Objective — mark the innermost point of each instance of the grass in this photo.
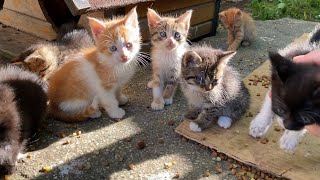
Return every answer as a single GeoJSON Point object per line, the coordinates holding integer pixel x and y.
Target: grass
{"type": "Point", "coordinates": [274, 9]}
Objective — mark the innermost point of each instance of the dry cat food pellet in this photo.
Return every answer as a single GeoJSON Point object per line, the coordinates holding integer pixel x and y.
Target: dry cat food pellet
{"type": "Point", "coordinates": [233, 171]}
{"type": "Point", "coordinates": [46, 169]}
{"type": "Point", "coordinates": [203, 138]}
{"type": "Point", "coordinates": [171, 122]}
{"type": "Point", "coordinates": [176, 175]}
{"type": "Point", "coordinates": [67, 142]}
{"type": "Point", "coordinates": [141, 144]}
{"type": "Point", "coordinates": [207, 174]}
{"type": "Point", "coordinates": [219, 169]}
{"type": "Point", "coordinates": [258, 94]}
{"type": "Point", "coordinates": [264, 140]}
{"type": "Point", "coordinates": [29, 156]}
{"type": "Point", "coordinates": [131, 166]}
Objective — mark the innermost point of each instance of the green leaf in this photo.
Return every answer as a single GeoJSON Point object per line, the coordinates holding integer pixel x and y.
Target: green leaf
{"type": "Point", "coordinates": [281, 5]}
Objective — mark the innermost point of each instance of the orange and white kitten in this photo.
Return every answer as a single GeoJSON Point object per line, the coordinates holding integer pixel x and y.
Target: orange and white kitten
{"type": "Point", "coordinates": [95, 77]}
{"type": "Point", "coordinates": [169, 43]}
{"type": "Point", "coordinates": [240, 26]}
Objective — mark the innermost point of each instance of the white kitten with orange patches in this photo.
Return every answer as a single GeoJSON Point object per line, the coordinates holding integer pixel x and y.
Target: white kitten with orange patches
{"type": "Point", "coordinates": [96, 76]}
{"type": "Point", "coordinates": [169, 43]}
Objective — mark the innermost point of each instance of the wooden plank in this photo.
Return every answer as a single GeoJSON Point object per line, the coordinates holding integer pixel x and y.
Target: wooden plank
{"type": "Point", "coordinates": [165, 5]}
{"type": "Point", "coordinates": [200, 30]}
{"type": "Point", "coordinates": [27, 24]}
{"type": "Point", "coordinates": [28, 7]}
{"type": "Point", "coordinates": [236, 142]}
{"type": "Point", "coordinates": [76, 7]}
{"type": "Point", "coordinates": [83, 21]}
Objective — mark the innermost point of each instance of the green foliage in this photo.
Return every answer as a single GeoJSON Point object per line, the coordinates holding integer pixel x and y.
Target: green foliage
{"type": "Point", "coordinates": [274, 9]}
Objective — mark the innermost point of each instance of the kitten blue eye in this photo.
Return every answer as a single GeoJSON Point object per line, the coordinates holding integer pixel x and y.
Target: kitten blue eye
{"type": "Point", "coordinates": [177, 35]}
{"type": "Point", "coordinates": [113, 48]}
{"type": "Point", "coordinates": [163, 34]}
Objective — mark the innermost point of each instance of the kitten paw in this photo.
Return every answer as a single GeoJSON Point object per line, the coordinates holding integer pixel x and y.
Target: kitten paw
{"type": "Point", "coordinates": [289, 140]}
{"type": "Point", "coordinates": [157, 105]}
{"type": "Point", "coordinates": [245, 43]}
{"type": "Point", "coordinates": [150, 84]}
{"type": "Point", "coordinates": [123, 100]}
{"type": "Point", "coordinates": [95, 115]}
{"type": "Point", "coordinates": [224, 122]}
{"type": "Point", "coordinates": [168, 101]}
{"type": "Point", "coordinates": [258, 126]}
{"type": "Point", "coordinates": [194, 127]}
{"type": "Point", "coordinates": [117, 113]}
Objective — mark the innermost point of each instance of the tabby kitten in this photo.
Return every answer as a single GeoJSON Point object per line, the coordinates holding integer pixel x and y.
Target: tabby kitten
{"type": "Point", "coordinates": [95, 77]}
{"type": "Point", "coordinates": [240, 26]}
{"type": "Point", "coordinates": [45, 57]}
{"type": "Point", "coordinates": [23, 104]}
{"type": "Point", "coordinates": [295, 94]}
{"type": "Point", "coordinates": [214, 90]}
{"type": "Point", "coordinates": [169, 43]}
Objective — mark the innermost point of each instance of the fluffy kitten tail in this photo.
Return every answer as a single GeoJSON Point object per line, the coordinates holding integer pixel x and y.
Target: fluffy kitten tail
{"type": "Point", "coordinates": [71, 117]}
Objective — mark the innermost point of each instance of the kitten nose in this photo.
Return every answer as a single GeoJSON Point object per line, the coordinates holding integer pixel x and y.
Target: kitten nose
{"type": "Point", "coordinates": [124, 57]}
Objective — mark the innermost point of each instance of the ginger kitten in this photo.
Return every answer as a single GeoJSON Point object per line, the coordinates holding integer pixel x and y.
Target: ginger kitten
{"type": "Point", "coordinates": [214, 90]}
{"type": "Point", "coordinates": [169, 43]}
{"type": "Point", "coordinates": [240, 26]}
{"type": "Point", "coordinates": [44, 58]}
{"type": "Point", "coordinates": [96, 76]}
{"type": "Point", "coordinates": [23, 105]}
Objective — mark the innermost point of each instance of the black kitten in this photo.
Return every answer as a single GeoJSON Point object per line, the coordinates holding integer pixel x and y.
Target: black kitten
{"type": "Point", "coordinates": [23, 103]}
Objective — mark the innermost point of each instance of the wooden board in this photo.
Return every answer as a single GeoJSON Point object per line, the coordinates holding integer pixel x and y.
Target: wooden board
{"type": "Point", "coordinates": [236, 142]}
{"type": "Point", "coordinates": [34, 26]}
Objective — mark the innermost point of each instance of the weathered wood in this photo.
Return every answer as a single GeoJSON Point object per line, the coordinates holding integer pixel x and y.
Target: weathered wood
{"type": "Point", "coordinates": [77, 7]}
{"type": "Point", "coordinates": [27, 7]}
{"type": "Point", "coordinates": [165, 5]}
{"type": "Point", "coordinates": [83, 21]}
{"type": "Point", "coordinates": [200, 30]}
{"type": "Point", "coordinates": [27, 24]}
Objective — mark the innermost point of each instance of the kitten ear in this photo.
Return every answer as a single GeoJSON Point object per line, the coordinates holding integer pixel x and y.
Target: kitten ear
{"type": "Point", "coordinates": [191, 59]}
{"type": "Point", "coordinates": [185, 19]}
{"type": "Point", "coordinates": [153, 18]}
{"type": "Point", "coordinates": [97, 27]}
{"type": "Point", "coordinates": [238, 14]}
{"type": "Point", "coordinates": [132, 18]}
{"type": "Point", "coordinates": [223, 60]}
{"type": "Point", "coordinates": [281, 66]}
{"type": "Point", "coordinates": [222, 16]}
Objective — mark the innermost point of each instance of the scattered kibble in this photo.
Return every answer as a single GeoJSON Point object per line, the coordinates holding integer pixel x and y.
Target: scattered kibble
{"type": "Point", "coordinates": [29, 156]}
{"type": "Point", "coordinates": [206, 174]}
{"type": "Point", "coordinates": [171, 122]}
{"type": "Point", "coordinates": [264, 140]}
{"type": "Point", "coordinates": [141, 144]}
{"type": "Point", "coordinates": [176, 175]}
{"type": "Point", "coordinates": [219, 169]}
{"type": "Point", "coordinates": [131, 166]}
{"type": "Point", "coordinates": [46, 169]}
{"type": "Point", "coordinates": [233, 171]}
{"type": "Point", "coordinates": [66, 142]}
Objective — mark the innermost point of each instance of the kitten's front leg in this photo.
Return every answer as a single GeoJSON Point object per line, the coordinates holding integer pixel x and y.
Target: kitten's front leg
{"type": "Point", "coordinates": [192, 113]}
{"type": "Point", "coordinates": [260, 124]}
{"type": "Point", "coordinates": [237, 40]}
{"type": "Point", "coordinates": [110, 103]}
{"type": "Point", "coordinates": [169, 92]}
{"type": "Point", "coordinates": [230, 37]}
{"type": "Point", "coordinates": [290, 139]}
{"type": "Point", "coordinates": [203, 121]}
{"type": "Point", "coordinates": [158, 101]}
{"type": "Point", "coordinates": [123, 99]}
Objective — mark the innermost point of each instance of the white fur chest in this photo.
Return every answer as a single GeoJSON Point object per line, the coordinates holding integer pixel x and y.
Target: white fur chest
{"type": "Point", "coordinates": [124, 73]}
{"type": "Point", "coordinates": [169, 62]}
{"type": "Point", "coordinates": [194, 98]}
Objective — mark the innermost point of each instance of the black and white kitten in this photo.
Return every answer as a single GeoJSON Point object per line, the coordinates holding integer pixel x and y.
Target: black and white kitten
{"type": "Point", "coordinates": [23, 104]}
{"type": "Point", "coordinates": [214, 90]}
{"type": "Point", "coordinates": [295, 94]}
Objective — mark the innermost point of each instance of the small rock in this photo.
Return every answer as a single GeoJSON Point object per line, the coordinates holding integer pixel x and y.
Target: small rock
{"type": "Point", "coordinates": [46, 169]}
{"type": "Point", "coordinates": [237, 131]}
{"type": "Point", "coordinates": [168, 165]}
{"type": "Point", "coordinates": [29, 156]}
{"type": "Point", "coordinates": [233, 171]}
{"type": "Point", "coordinates": [218, 159]}
{"type": "Point", "coordinates": [219, 169]}
{"type": "Point", "coordinates": [161, 141]}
